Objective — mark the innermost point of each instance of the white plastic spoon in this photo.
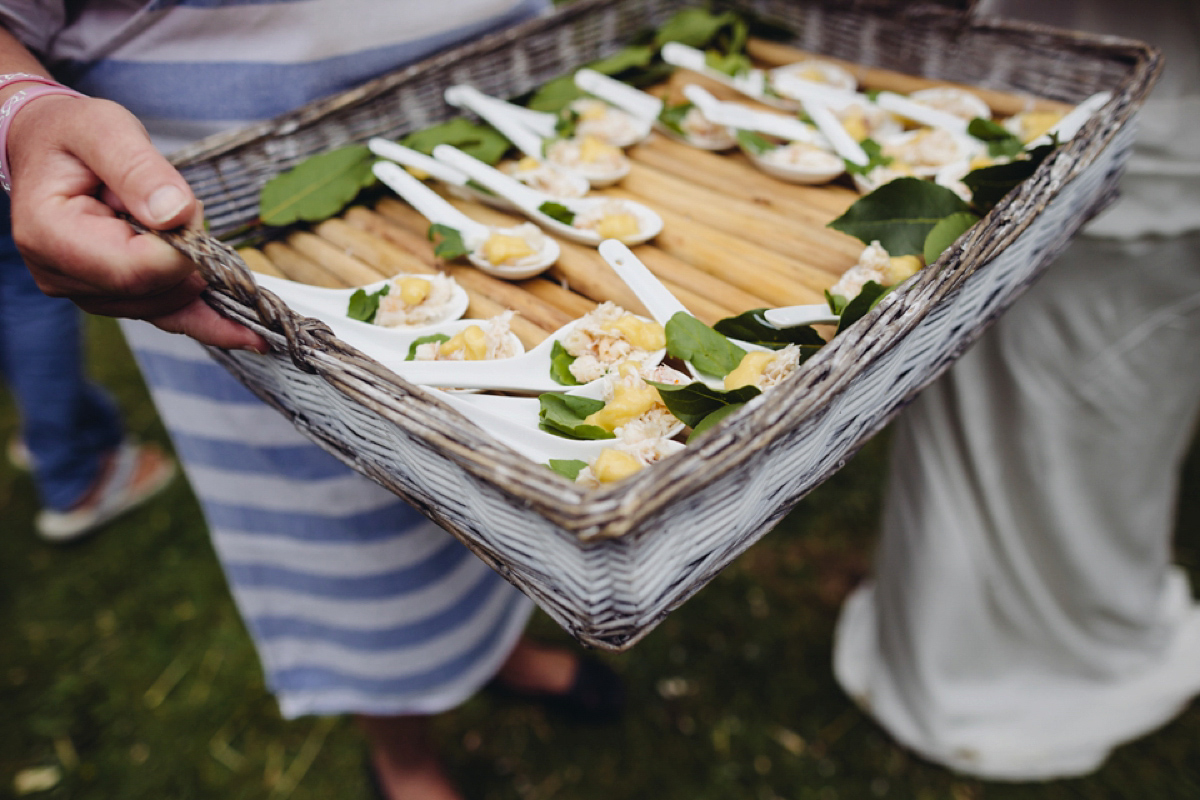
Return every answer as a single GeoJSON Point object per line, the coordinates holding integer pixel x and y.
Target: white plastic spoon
{"type": "Point", "coordinates": [510, 121]}
{"type": "Point", "coordinates": [475, 235]}
{"type": "Point", "coordinates": [530, 201]}
{"type": "Point", "coordinates": [752, 83]}
{"type": "Point", "coordinates": [657, 299]}
{"type": "Point", "coordinates": [795, 316]}
{"type": "Point", "coordinates": [646, 106]}
{"type": "Point", "coordinates": [1073, 120]}
{"type": "Point", "coordinates": [919, 112]}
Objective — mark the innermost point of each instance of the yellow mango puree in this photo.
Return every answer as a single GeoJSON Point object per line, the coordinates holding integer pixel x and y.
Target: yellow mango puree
{"type": "Point", "coordinates": [502, 249]}
{"type": "Point", "coordinates": [613, 465]}
{"type": "Point", "coordinates": [472, 341]}
{"type": "Point", "coordinates": [749, 370]}
{"type": "Point", "coordinates": [627, 404]}
{"type": "Point", "coordinates": [646, 334]}
{"type": "Point", "coordinates": [901, 268]}
{"type": "Point", "coordinates": [592, 150]}
{"type": "Point", "coordinates": [413, 291]}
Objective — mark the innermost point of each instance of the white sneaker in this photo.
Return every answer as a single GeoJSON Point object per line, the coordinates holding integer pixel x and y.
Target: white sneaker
{"type": "Point", "coordinates": [134, 474]}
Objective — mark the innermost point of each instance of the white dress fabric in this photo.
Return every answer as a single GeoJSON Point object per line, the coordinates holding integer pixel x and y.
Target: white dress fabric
{"type": "Point", "coordinates": [1025, 617]}
{"type": "Point", "coordinates": [356, 602]}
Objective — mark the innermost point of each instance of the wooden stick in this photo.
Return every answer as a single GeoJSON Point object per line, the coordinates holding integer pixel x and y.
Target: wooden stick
{"type": "Point", "coordinates": [414, 243]}
{"type": "Point", "coordinates": [740, 262]}
{"type": "Point", "coordinates": [347, 267]}
{"type": "Point", "coordinates": [668, 268]}
{"type": "Point", "coordinates": [299, 267]}
{"type": "Point", "coordinates": [1003, 104]}
{"type": "Point", "coordinates": [821, 247]}
{"type": "Point", "coordinates": [530, 335]}
{"type": "Point", "coordinates": [380, 254]}
{"type": "Point", "coordinates": [553, 293]}
{"type": "Point", "coordinates": [258, 262]}
{"type": "Point", "coordinates": [733, 174]}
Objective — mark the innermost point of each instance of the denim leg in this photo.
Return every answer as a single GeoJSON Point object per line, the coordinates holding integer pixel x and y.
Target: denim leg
{"type": "Point", "coordinates": [67, 422]}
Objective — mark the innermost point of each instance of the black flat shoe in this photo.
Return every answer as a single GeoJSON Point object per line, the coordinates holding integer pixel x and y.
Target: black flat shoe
{"type": "Point", "coordinates": [596, 694]}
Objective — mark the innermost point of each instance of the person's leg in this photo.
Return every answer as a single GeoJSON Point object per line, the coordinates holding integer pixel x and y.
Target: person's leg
{"type": "Point", "coordinates": [68, 425]}
{"type": "Point", "coordinates": [1024, 617]}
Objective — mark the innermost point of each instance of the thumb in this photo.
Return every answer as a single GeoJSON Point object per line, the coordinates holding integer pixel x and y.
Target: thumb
{"type": "Point", "coordinates": [136, 177]}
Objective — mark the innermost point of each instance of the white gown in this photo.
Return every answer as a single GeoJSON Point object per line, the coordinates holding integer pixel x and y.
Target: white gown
{"type": "Point", "coordinates": [1024, 617]}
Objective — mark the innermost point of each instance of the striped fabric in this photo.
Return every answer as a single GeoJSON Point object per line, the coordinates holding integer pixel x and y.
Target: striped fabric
{"type": "Point", "coordinates": [355, 601]}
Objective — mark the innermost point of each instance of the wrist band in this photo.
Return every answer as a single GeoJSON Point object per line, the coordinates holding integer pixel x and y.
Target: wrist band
{"type": "Point", "coordinates": [15, 103]}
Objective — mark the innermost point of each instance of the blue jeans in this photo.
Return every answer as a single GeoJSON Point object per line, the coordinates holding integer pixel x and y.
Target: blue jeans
{"type": "Point", "coordinates": [68, 424]}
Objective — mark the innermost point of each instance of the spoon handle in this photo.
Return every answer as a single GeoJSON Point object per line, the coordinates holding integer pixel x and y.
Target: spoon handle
{"type": "Point", "coordinates": [638, 103]}
{"type": "Point", "coordinates": [919, 112]}
{"type": "Point", "coordinates": [657, 299]}
{"type": "Point", "coordinates": [519, 374]}
{"type": "Point", "coordinates": [504, 185]}
{"type": "Point", "coordinates": [385, 148]}
{"type": "Point", "coordinates": [737, 116]}
{"type": "Point", "coordinates": [429, 203]}
{"type": "Point", "coordinates": [492, 111]}
{"type": "Point", "coordinates": [793, 316]}
{"type": "Point", "coordinates": [828, 123]}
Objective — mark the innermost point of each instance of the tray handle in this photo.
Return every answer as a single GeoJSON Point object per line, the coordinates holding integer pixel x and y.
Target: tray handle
{"type": "Point", "coordinates": [224, 270]}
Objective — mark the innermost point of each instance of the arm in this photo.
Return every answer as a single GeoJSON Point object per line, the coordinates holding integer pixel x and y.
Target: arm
{"type": "Point", "coordinates": [74, 163]}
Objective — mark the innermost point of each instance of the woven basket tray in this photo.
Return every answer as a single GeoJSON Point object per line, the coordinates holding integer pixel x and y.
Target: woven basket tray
{"type": "Point", "coordinates": [610, 564]}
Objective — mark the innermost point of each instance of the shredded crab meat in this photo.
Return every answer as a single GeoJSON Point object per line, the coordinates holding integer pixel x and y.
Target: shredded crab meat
{"type": "Point", "coordinates": [697, 126]}
{"type": "Point", "coordinates": [644, 451]}
{"type": "Point", "coordinates": [801, 155]}
{"type": "Point", "coordinates": [872, 265]}
{"type": "Point", "coordinates": [782, 364]}
{"type": "Point", "coordinates": [545, 179]}
{"type": "Point", "coordinates": [593, 218]}
{"type": "Point", "coordinates": [599, 119]}
{"type": "Point", "coordinates": [498, 339]}
{"type": "Point", "coordinates": [926, 149]}
{"type": "Point", "coordinates": [533, 237]}
{"type": "Point", "coordinates": [394, 312]}
{"type": "Point", "coordinates": [573, 154]}
{"type": "Point", "coordinates": [959, 102]}
{"type": "Point", "coordinates": [598, 346]}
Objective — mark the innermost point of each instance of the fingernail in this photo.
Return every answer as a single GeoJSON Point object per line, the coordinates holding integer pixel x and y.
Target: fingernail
{"type": "Point", "coordinates": [166, 202]}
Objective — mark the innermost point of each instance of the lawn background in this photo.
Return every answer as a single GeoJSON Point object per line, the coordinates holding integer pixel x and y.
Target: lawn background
{"type": "Point", "coordinates": [124, 665]}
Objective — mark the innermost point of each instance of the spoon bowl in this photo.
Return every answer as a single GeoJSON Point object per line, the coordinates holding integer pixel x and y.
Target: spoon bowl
{"type": "Point", "coordinates": [475, 235]}
{"type": "Point", "coordinates": [582, 211]}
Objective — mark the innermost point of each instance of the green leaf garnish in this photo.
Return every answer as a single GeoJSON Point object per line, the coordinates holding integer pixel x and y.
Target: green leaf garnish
{"type": "Point", "coordinates": [754, 142]}
{"type": "Point", "coordinates": [691, 340]}
{"type": "Point", "coordinates": [557, 211]}
{"type": "Point", "coordinates": [1001, 142]}
{"type": "Point", "coordinates": [989, 185]}
{"type": "Point", "coordinates": [420, 340]}
{"type": "Point", "coordinates": [560, 365]}
{"type": "Point", "coordinates": [693, 402]}
{"type": "Point", "coordinates": [712, 419]}
{"type": "Point", "coordinates": [837, 303]}
{"type": "Point", "coordinates": [672, 117]}
{"type": "Point", "coordinates": [946, 232]}
{"type": "Point", "coordinates": [857, 308]}
{"type": "Point", "coordinates": [875, 158]}
{"type": "Point", "coordinates": [731, 64]}
{"type": "Point", "coordinates": [900, 214]}
{"type": "Point", "coordinates": [481, 141]}
{"type": "Point", "coordinates": [564, 414]}
{"type": "Point", "coordinates": [569, 468]}
{"type": "Point", "coordinates": [753, 327]}
{"type": "Point", "coordinates": [364, 306]}
{"type": "Point", "coordinates": [699, 28]}
{"type": "Point", "coordinates": [450, 245]}
{"type": "Point", "coordinates": [316, 188]}
{"type": "Point", "coordinates": [567, 122]}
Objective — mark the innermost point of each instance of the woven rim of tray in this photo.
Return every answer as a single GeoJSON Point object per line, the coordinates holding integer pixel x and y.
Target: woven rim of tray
{"type": "Point", "coordinates": [617, 509]}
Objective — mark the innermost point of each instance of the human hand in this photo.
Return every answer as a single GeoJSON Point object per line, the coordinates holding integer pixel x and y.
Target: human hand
{"type": "Point", "coordinates": [75, 163]}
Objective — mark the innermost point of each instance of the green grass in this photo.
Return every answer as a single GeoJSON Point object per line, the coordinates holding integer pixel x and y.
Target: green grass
{"type": "Point", "coordinates": [124, 663]}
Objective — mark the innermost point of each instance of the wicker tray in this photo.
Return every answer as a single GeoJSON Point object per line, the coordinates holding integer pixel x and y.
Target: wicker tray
{"type": "Point", "coordinates": [610, 564]}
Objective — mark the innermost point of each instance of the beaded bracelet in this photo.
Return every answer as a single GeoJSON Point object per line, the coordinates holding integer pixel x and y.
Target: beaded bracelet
{"type": "Point", "coordinates": [15, 103]}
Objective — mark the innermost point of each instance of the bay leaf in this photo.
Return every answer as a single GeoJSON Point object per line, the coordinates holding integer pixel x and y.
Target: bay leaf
{"type": "Point", "coordinates": [691, 340]}
{"type": "Point", "coordinates": [316, 188]}
{"type": "Point", "coordinates": [899, 214]}
{"type": "Point", "coordinates": [946, 232]}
